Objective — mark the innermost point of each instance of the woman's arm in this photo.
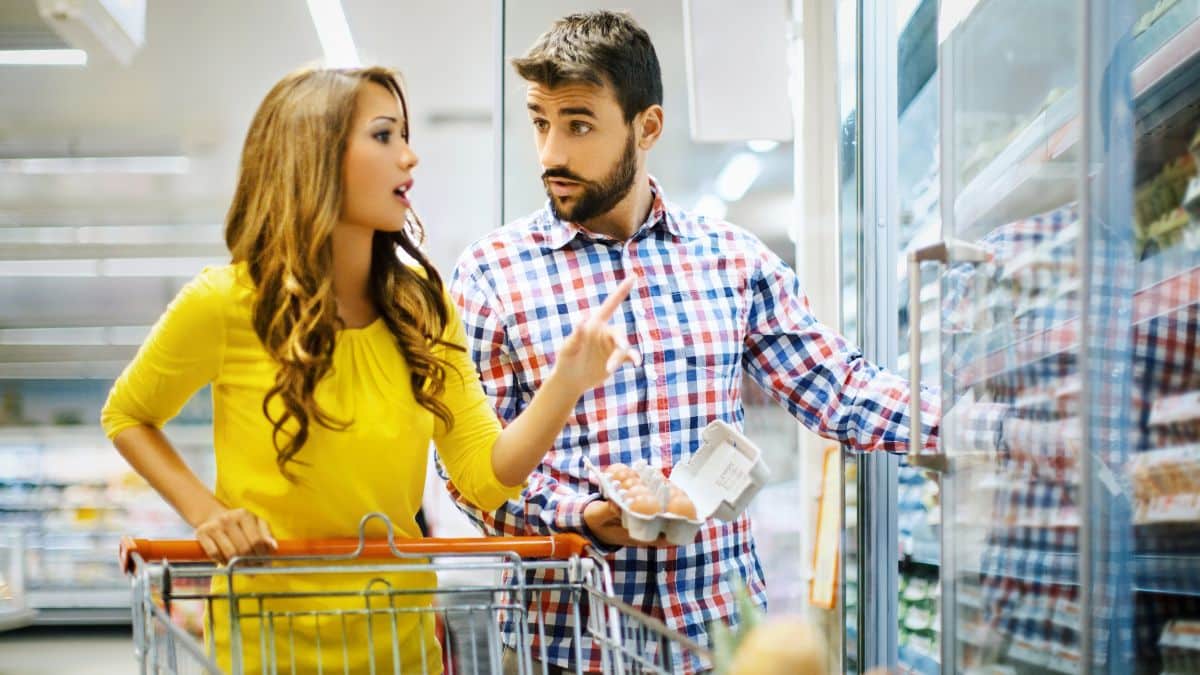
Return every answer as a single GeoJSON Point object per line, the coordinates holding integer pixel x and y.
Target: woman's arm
{"type": "Point", "coordinates": [223, 532]}
{"type": "Point", "coordinates": [489, 465]}
{"type": "Point", "coordinates": [588, 357]}
{"type": "Point", "coordinates": [183, 352]}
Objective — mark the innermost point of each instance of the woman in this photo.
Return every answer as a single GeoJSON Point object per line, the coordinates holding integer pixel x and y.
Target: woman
{"type": "Point", "coordinates": [333, 364]}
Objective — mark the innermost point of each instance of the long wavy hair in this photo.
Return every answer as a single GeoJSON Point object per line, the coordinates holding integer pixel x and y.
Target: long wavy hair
{"type": "Point", "coordinates": [286, 206]}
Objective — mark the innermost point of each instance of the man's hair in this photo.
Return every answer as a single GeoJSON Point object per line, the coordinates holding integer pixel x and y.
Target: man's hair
{"type": "Point", "coordinates": [599, 48]}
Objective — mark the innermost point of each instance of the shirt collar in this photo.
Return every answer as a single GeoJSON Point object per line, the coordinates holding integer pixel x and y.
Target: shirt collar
{"type": "Point", "coordinates": [559, 233]}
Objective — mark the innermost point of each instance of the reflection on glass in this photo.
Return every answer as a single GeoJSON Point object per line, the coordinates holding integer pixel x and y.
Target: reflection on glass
{"type": "Point", "coordinates": [1070, 358]}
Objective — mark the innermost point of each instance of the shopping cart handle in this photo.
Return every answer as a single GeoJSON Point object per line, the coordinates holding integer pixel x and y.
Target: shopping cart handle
{"type": "Point", "coordinates": [557, 547]}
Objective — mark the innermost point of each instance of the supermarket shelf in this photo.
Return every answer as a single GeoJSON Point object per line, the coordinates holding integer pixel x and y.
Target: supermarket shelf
{"type": "Point", "coordinates": [922, 560]}
{"type": "Point", "coordinates": [1160, 574]}
{"type": "Point", "coordinates": [916, 661]}
{"type": "Point", "coordinates": [1166, 283]}
{"type": "Point", "coordinates": [1167, 574]}
{"type": "Point", "coordinates": [180, 434]}
{"type": "Point", "coordinates": [75, 606]}
{"type": "Point", "coordinates": [18, 618]}
{"type": "Point", "coordinates": [111, 251]}
{"type": "Point", "coordinates": [1025, 179]}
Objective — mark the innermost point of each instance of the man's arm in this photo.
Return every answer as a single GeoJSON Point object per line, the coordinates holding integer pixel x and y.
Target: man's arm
{"type": "Point", "coordinates": [822, 379]}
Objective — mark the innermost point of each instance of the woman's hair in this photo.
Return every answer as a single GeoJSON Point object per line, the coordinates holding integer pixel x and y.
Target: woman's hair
{"type": "Point", "coordinates": [286, 206]}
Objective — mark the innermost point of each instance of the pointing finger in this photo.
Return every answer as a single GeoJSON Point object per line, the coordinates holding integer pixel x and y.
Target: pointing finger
{"type": "Point", "coordinates": [612, 302]}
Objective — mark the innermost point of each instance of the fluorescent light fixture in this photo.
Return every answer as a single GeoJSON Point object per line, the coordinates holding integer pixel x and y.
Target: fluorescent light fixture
{"type": "Point", "coordinates": [43, 57]}
{"type": "Point", "coordinates": [762, 145]}
{"type": "Point", "coordinates": [116, 28]}
{"type": "Point", "coordinates": [711, 206]}
{"type": "Point", "coordinates": [109, 267]}
{"type": "Point", "coordinates": [330, 21]}
{"type": "Point", "coordinates": [154, 164]}
{"type": "Point", "coordinates": [737, 176]}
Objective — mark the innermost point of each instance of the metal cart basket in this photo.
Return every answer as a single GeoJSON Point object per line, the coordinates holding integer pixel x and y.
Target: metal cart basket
{"type": "Point", "coordinates": [359, 593]}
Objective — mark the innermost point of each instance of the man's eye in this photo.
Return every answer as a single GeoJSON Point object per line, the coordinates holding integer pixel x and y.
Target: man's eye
{"type": "Point", "coordinates": [540, 125]}
{"type": "Point", "coordinates": [580, 128]}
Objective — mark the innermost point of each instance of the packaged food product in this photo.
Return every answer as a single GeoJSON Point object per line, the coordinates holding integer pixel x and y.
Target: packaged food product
{"type": "Point", "coordinates": [1175, 409]}
{"type": "Point", "coordinates": [1180, 646]}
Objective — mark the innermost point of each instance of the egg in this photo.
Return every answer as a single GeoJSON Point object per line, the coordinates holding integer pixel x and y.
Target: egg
{"type": "Point", "coordinates": [679, 504]}
{"type": "Point", "coordinates": [618, 472]}
{"type": "Point", "coordinates": [645, 505]}
{"type": "Point", "coordinates": [635, 492]}
{"type": "Point", "coordinates": [631, 482]}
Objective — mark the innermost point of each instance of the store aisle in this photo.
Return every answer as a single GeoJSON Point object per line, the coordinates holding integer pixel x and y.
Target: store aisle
{"type": "Point", "coordinates": [65, 651]}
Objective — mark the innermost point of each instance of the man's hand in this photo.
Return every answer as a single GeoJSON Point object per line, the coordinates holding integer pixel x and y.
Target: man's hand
{"type": "Point", "coordinates": [603, 519]}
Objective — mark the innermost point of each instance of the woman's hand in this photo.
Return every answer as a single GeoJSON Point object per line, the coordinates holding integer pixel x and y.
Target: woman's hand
{"type": "Point", "coordinates": [595, 350]}
{"type": "Point", "coordinates": [229, 533]}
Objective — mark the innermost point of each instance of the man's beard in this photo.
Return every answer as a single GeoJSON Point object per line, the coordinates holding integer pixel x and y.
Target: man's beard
{"type": "Point", "coordinates": [597, 198]}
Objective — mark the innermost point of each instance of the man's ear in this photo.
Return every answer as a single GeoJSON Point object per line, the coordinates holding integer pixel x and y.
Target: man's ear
{"type": "Point", "coordinates": [649, 125]}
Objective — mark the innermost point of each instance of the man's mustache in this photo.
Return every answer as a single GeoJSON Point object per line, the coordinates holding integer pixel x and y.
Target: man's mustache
{"type": "Point", "coordinates": [561, 173]}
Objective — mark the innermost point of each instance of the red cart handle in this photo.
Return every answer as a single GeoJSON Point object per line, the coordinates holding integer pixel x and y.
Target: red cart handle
{"type": "Point", "coordinates": [556, 547]}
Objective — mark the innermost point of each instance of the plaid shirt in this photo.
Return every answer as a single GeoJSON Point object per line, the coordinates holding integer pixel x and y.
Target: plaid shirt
{"type": "Point", "coordinates": [711, 302]}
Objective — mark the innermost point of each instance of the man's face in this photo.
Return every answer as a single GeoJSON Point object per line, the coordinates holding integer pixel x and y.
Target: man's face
{"type": "Point", "coordinates": [587, 151]}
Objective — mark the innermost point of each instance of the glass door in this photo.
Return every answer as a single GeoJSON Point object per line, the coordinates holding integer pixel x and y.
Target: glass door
{"type": "Point", "coordinates": [1068, 328]}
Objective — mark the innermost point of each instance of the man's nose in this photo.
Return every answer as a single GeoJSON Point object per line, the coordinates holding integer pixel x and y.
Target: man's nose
{"type": "Point", "coordinates": [552, 154]}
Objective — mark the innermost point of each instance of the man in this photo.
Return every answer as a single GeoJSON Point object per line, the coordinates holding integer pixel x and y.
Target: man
{"type": "Point", "coordinates": [711, 301]}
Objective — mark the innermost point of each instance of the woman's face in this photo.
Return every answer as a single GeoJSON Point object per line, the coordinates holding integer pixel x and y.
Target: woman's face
{"type": "Point", "coordinates": [377, 168]}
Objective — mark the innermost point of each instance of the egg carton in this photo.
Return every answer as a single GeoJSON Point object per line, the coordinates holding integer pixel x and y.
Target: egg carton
{"type": "Point", "coordinates": [720, 478]}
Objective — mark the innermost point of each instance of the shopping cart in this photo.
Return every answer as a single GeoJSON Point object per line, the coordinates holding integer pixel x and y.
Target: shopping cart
{"type": "Point", "coordinates": [179, 596]}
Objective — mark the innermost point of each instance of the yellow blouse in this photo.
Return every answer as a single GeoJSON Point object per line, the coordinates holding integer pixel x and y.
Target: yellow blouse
{"type": "Point", "coordinates": [377, 464]}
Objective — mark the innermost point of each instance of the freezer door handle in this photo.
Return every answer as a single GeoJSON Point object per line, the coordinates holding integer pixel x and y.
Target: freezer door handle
{"type": "Point", "coordinates": [943, 253]}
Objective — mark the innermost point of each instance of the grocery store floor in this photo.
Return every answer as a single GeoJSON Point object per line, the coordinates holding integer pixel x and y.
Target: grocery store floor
{"type": "Point", "coordinates": [45, 650]}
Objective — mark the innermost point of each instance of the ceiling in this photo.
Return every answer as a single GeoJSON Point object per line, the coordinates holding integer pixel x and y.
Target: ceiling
{"type": "Point", "coordinates": [66, 240]}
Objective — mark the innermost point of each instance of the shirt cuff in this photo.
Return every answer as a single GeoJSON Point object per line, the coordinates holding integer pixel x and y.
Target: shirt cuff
{"type": "Point", "coordinates": [568, 517]}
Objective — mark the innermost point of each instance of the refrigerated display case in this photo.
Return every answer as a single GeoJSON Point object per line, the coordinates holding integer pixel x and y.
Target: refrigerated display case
{"type": "Point", "coordinates": [1067, 321]}
{"type": "Point", "coordinates": [14, 608]}
{"type": "Point", "coordinates": [889, 204]}
{"type": "Point", "coordinates": [67, 497]}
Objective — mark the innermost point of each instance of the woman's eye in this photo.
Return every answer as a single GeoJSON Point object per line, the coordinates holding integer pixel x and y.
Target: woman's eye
{"type": "Point", "coordinates": [383, 136]}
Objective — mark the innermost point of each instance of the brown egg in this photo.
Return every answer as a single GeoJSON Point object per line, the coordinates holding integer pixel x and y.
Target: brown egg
{"type": "Point", "coordinates": [631, 481]}
{"type": "Point", "coordinates": [646, 506]}
{"type": "Point", "coordinates": [635, 492]}
{"type": "Point", "coordinates": [680, 505]}
{"type": "Point", "coordinates": [618, 472]}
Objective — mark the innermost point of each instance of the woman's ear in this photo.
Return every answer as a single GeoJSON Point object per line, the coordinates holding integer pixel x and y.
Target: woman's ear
{"type": "Point", "coordinates": [649, 124]}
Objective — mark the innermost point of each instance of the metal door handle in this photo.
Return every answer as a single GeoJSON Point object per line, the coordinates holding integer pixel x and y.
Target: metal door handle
{"type": "Point", "coordinates": [943, 253]}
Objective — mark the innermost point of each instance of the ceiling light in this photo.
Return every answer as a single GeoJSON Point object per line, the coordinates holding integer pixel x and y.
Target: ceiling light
{"type": "Point", "coordinates": [43, 57]}
{"type": "Point", "coordinates": [334, 33]}
{"type": "Point", "coordinates": [762, 145]}
{"type": "Point", "coordinates": [109, 267]}
{"type": "Point", "coordinates": [113, 27]}
{"type": "Point", "coordinates": [154, 164]}
{"type": "Point", "coordinates": [737, 176]}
